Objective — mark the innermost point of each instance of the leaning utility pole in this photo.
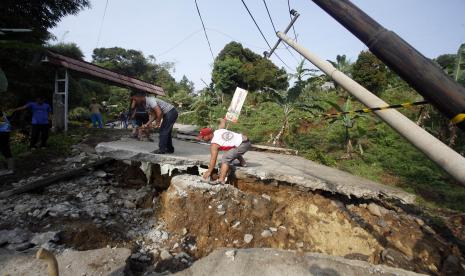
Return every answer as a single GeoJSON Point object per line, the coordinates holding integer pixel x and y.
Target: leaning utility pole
{"type": "Point", "coordinates": [442, 155]}
{"type": "Point", "coordinates": [421, 73]}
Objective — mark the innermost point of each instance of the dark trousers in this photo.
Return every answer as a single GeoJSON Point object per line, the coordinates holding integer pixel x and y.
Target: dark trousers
{"type": "Point", "coordinates": [5, 144]}
{"type": "Point", "coordinates": [166, 142]}
{"type": "Point", "coordinates": [39, 130]}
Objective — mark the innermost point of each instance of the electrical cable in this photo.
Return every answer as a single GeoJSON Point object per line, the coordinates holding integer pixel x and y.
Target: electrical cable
{"type": "Point", "coordinates": [101, 24]}
{"type": "Point", "coordinates": [260, 30]}
{"type": "Point", "coordinates": [179, 43]}
{"type": "Point", "coordinates": [276, 31]}
{"type": "Point", "coordinates": [293, 29]}
{"type": "Point", "coordinates": [204, 30]}
{"type": "Point", "coordinates": [238, 40]}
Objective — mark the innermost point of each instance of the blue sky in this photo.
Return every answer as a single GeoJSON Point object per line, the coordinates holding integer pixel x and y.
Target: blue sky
{"type": "Point", "coordinates": [171, 29]}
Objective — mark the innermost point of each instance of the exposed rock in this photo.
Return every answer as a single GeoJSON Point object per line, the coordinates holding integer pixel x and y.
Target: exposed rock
{"type": "Point", "coordinates": [248, 238]}
{"type": "Point", "coordinates": [419, 221]}
{"type": "Point", "coordinates": [452, 266]}
{"type": "Point", "coordinates": [128, 204]}
{"type": "Point", "coordinates": [102, 197]}
{"type": "Point", "coordinates": [394, 258]}
{"type": "Point", "coordinates": [100, 174]}
{"type": "Point", "coordinates": [42, 238]}
{"type": "Point", "coordinates": [266, 234]}
{"type": "Point", "coordinates": [165, 255]}
{"type": "Point", "coordinates": [236, 224]}
{"type": "Point", "coordinates": [14, 236]}
{"type": "Point", "coordinates": [19, 246]}
{"type": "Point", "coordinates": [23, 208]}
{"type": "Point", "coordinates": [374, 209]}
{"type": "Point", "coordinates": [267, 197]}
{"type": "Point", "coordinates": [230, 254]}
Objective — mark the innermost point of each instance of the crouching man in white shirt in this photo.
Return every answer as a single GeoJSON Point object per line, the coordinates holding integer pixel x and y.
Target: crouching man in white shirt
{"type": "Point", "coordinates": [235, 144]}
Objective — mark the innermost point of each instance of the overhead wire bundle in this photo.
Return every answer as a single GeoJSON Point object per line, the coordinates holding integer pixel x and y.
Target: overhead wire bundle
{"type": "Point", "coordinates": [263, 36]}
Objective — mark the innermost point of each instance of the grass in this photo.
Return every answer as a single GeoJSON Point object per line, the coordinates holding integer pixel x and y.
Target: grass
{"type": "Point", "coordinates": [58, 143]}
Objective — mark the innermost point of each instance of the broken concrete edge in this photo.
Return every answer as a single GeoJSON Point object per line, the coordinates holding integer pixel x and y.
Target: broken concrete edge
{"type": "Point", "coordinates": [317, 184]}
{"type": "Point", "coordinates": [307, 183]}
{"type": "Point", "coordinates": [268, 261]}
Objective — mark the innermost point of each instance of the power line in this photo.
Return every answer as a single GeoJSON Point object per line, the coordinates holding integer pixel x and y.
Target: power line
{"type": "Point", "coordinates": [260, 30]}
{"type": "Point", "coordinates": [101, 24]}
{"type": "Point", "coordinates": [179, 43]}
{"type": "Point", "coordinates": [238, 40]}
{"type": "Point", "coordinates": [293, 29]}
{"type": "Point", "coordinates": [269, 15]}
{"type": "Point", "coordinates": [275, 30]}
{"type": "Point", "coordinates": [205, 31]}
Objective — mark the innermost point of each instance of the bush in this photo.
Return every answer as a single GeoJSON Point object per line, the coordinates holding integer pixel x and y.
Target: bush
{"type": "Point", "coordinates": [79, 114]}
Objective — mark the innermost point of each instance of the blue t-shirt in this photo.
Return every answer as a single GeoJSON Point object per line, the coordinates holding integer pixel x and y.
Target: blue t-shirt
{"type": "Point", "coordinates": [5, 125]}
{"type": "Point", "coordinates": [39, 112]}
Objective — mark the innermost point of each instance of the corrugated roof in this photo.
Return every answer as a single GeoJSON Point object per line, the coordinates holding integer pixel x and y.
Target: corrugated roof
{"type": "Point", "coordinates": [100, 73]}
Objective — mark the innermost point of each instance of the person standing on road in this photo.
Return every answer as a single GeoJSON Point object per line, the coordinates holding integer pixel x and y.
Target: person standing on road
{"type": "Point", "coordinates": [235, 144]}
{"type": "Point", "coordinates": [40, 113]}
{"type": "Point", "coordinates": [96, 115]}
{"type": "Point", "coordinates": [5, 130]}
{"type": "Point", "coordinates": [164, 115]}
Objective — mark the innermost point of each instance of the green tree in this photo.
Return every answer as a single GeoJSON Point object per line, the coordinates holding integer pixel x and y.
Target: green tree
{"type": "Point", "coordinates": [38, 15]}
{"type": "Point", "coordinates": [238, 66]}
{"type": "Point", "coordinates": [459, 70]}
{"type": "Point", "coordinates": [67, 49]}
{"type": "Point", "coordinates": [227, 75]}
{"type": "Point", "coordinates": [447, 63]}
{"type": "Point", "coordinates": [135, 64]}
{"type": "Point", "coordinates": [186, 85]}
{"type": "Point", "coordinates": [129, 62]}
{"type": "Point", "coordinates": [370, 72]}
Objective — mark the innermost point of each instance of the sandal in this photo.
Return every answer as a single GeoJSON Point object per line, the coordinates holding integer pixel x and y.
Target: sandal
{"type": "Point", "coordinates": [216, 182]}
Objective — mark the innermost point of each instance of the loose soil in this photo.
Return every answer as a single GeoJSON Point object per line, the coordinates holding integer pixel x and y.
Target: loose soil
{"type": "Point", "coordinates": [285, 218]}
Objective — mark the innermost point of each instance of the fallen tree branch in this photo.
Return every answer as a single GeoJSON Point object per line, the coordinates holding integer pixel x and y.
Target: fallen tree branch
{"type": "Point", "coordinates": [54, 178]}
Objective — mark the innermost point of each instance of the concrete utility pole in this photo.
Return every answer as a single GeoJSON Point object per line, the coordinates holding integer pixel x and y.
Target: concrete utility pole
{"type": "Point", "coordinates": [452, 162]}
{"type": "Point", "coordinates": [421, 73]}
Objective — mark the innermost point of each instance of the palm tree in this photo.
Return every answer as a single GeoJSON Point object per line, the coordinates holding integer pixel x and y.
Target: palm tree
{"type": "Point", "coordinates": [342, 64]}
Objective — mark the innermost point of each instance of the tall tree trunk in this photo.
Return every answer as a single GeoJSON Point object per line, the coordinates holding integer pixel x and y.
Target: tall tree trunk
{"type": "Point", "coordinates": [278, 137]}
{"type": "Point", "coordinates": [349, 147]}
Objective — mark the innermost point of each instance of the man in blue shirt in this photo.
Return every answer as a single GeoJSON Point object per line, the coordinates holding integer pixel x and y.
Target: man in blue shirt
{"type": "Point", "coordinates": [40, 112]}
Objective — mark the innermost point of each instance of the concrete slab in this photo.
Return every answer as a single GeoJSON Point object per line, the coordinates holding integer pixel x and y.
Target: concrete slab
{"type": "Point", "coordinates": [263, 261]}
{"type": "Point", "coordinates": [262, 165]}
{"type": "Point", "coordinates": [104, 261]}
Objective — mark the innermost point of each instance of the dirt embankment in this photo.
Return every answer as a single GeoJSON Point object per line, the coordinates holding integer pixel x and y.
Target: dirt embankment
{"type": "Point", "coordinates": [255, 214]}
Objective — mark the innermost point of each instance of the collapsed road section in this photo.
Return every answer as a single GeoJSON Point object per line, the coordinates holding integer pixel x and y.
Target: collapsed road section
{"type": "Point", "coordinates": [147, 214]}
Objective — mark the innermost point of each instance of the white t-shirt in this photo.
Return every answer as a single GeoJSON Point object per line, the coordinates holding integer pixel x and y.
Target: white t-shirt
{"type": "Point", "coordinates": [152, 102]}
{"type": "Point", "coordinates": [226, 139]}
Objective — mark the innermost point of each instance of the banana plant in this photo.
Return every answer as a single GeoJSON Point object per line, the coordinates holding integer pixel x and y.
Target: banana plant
{"type": "Point", "coordinates": [348, 122]}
